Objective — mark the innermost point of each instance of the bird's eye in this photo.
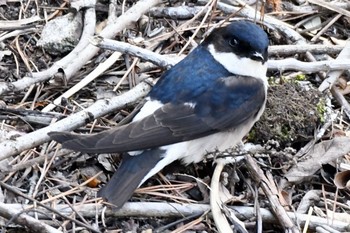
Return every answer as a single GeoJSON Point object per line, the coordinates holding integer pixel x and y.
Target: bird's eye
{"type": "Point", "coordinates": [233, 42]}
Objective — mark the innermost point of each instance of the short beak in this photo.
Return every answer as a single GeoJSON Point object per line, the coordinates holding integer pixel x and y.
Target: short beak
{"type": "Point", "coordinates": [257, 57]}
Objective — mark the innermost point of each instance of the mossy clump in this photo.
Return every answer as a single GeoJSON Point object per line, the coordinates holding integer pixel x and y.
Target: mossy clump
{"type": "Point", "coordinates": [291, 115]}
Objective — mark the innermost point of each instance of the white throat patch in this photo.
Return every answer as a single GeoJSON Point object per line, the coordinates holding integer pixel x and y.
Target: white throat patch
{"type": "Point", "coordinates": [240, 66]}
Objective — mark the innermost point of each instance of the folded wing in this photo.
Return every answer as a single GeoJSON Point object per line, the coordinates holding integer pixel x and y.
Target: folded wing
{"type": "Point", "coordinates": [227, 104]}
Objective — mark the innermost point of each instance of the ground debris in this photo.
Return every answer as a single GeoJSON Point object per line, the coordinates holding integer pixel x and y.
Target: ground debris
{"type": "Point", "coordinates": [296, 159]}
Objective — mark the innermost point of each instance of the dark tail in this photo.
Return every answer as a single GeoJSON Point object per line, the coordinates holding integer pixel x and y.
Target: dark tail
{"type": "Point", "coordinates": [129, 176]}
{"type": "Point", "coordinates": [78, 142]}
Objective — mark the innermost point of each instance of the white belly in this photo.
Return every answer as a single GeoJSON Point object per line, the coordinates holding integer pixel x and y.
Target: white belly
{"type": "Point", "coordinates": [193, 151]}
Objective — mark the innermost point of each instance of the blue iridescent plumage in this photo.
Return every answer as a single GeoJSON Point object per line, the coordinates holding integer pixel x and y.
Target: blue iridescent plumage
{"type": "Point", "coordinates": [196, 72]}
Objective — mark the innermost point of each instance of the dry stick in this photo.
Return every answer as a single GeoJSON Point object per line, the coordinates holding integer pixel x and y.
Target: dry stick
{"type": "Point", "coordinates": [341, 100]}
{"type": "Point", "coordinates": [170, 209]}
{"type": "Point", "coordinates": [309, 9]}
{"type": "Point", "coordinates": [98, 109]}
{"type": "Point", "coordinates": [331, 7]}
{"type": "Point", "coordinates": [73, 190]}
{"type": "Point", "coordinates": [71, 58]}
{"type": "Point", "coordinates": [24, 220]}
{"type": "Point", "coordinates": [11, 24]}
{"type": "Point", "coordinates": [210, 8]}
{"type": "Point", "coordinates": [312, 48]}
{"type": "Point", "coordinates": [126, 48]}
{"type": "Point", "coordinates": [260, 178]}
{"type": "Point", "coordinates": [182, 27]}
{"type": "Point", "coordinates": [176, 12]}
{"type": "Point", "coordinates": [309, 67]}
{"type": "Point", "coordinates": [325, 28]}
{"type": "Point", "coordinates": [219, 211]}
{"type": "Point", "coordinates": [126, 74]}
{"type": "Point", "coordinates": [84, 51]}
{"type": "Point", "coordinates": [102, 67]}
{"type": "Point", "coordinates": [220, 220]}
{"type": "Point", "coordinates": [249, 12]}
{"type": "Point", "coordinates": [334, 90]}
{"type": "Point", "coordinates": [18, 32]}
{"type": "Point", "coordinates": [333, 76]}
{"type": "Point", "coordinates": [189, 225]}
{"type": "Point", "coordinates": [286, 64]}
{"type": "Point", "coordinates": [15, 191]}
{"type": "Point", "coordinates": [35, 161]}
{"type": "Point", "coordinates": [328, 83]}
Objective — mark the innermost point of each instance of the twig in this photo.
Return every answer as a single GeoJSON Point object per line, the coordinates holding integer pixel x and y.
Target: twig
{"type": "Point", "coordinates": [11, 24]}
{"type": "Point", "coordinates": [187, 226]}
{"type": "Point", "coordinates": [35, 161]}
{"type": "Point", "coordinates": [220, 220]}
{"type": "Point", "coordinates": [84, 51]}
{"type": "Point", "coordinates": [145, 54]}
{"type": "Point", "coordinates": [168, 209]}
{"type": "Point", "coordinates": [307, 8]}
{"type": "Point", "coordinates": [279, 211]}
{"type": "Point", "coordinates": [165, 61]}
{"type": "Point", "coordinates": [98, 109]}
{"type": "Point", "coordinates": [325, 28]}
{"type": "Point", "coordinates": [17, 33]}
{"type": "Point", "coordinates": [333, 76]}
{"type": "Point", "coordinates": [10, 188]}
{"type": "Point", "coordinates": [341, 100]}
{"type": "Point", "coordinates": [331, 7]}
{"type": "Point", "coordinates": [17, 216]}
{"type": "Point", "coordinates": [70, 60]}
{"type": "Point", "coordinates": [249, 12]}
{"type": "Point", "coordinates": [309, 67]}
{"type": "Point", "coordinates": [297, 49]}
{"type": "Point", "coordinates": [210, 6]}
{"type": "Point", "coordinates": [102, 67]}
{"type": "Point", "coordinates": [176, 12]}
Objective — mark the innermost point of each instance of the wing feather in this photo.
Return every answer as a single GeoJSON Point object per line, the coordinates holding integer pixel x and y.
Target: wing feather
{"type": "Point", "coordinates": [227, 104]}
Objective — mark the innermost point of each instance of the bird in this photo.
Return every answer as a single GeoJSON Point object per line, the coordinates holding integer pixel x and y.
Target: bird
{"type": "Point", "coordinates": [207, 102]}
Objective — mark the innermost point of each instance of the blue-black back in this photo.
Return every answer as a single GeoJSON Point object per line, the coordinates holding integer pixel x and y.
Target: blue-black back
{"type": "Point", "coordinates": [189, 78]}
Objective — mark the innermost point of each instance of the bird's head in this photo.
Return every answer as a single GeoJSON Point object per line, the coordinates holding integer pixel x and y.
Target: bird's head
{"type": "Point", "coordinates": [240, 47]}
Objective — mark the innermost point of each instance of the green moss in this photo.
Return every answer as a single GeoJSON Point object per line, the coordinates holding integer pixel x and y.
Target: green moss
{"type": "Point", "coordinates": [321, 110]}
{"type": "Point", "coordinates": [251, 135]}
{"type": "Point", "coordinates": [300, 77]}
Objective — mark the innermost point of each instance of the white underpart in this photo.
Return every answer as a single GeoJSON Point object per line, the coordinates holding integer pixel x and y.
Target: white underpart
{"type": "Point", "coordinates": [240, 65]}
{"type": "Point", "coordinates": [148, 108]}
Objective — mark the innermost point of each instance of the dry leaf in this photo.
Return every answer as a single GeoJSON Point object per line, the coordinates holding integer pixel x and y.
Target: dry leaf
{"type": "Point", "coordinates": [322, 153]}
{"type": "Point", "coordinates": [342, 179]}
